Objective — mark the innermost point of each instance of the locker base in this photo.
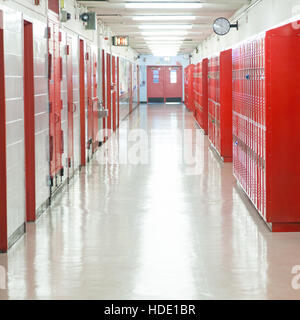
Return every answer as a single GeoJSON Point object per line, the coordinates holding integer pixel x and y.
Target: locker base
{"type": "Point", "coordinates": [198, 124]}
{"type": "Point", "coordinates": [224, 159]}
{"type": "Point", "coordinates": [284, 227]}
{"type": "Point", "coordinates": [275, 227]}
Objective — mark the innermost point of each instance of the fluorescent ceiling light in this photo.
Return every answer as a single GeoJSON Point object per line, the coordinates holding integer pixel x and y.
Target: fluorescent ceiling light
{"type": "Point", "coordinates": [163, 5]}
{"type": "Point", "coordinates": [165, 26]}
{"type": "Point", "coordinates": [163, 18]}
{"type": "Point", "coordinates": [163, 38]}
{"type": "Point", "coordinates": [165, 33]}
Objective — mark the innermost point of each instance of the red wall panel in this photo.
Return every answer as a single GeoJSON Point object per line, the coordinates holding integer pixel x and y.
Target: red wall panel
{"type": "Point", "coordinates": [266, 77]}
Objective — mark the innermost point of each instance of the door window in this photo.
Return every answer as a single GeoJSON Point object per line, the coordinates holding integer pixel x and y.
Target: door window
{"type": "Point", "coordinates": [156, 76]}
{"type": "Point", "coordinates": [173, 76]}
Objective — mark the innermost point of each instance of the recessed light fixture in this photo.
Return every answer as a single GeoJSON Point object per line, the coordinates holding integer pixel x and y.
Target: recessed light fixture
{"type": "Point", "coordinates": [163, 38]}
{"type": "Point", "coordinates": [165, 26]}
{"type": "Point", "coordinates": [163, 5]}
{"type": "Point", "coordinates": [162, 18]}
{"type": "Point", "coordinates": [164, 33]}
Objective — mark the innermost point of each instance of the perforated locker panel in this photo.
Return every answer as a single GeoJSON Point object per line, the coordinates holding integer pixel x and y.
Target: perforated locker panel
{"type": "Point", "coordinates": [196, 90]}
{"type": "Point", "coordinates": [188, 85]}
{"type": "Point", "coordinates": [55, 101]}
{"type": "Point", "coordinates": [266, 91]}
{"type": "Point", "coordinates": [201, 100]}
{"type": "Point", "coordinates": [249, 125]}
{"type": "Point", "coordinates": [214, 101]}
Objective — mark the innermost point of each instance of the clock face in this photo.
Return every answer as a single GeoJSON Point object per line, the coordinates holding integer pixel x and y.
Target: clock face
{"type": "Point", "coordinates": [221, 26]}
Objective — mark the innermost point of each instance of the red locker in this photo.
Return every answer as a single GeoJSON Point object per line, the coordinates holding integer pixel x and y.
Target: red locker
{"type": "Point", "coordinates": [118, 92]}
{"type": "Point", "coordinates": [188, 86]}
{"type": "Point", "coordinates": [95, 103]}
{"type": "Point", "coordinates": [266, 91]}
{"type": "Point", "coordinates": [220, 104]}
{"type": "Point", "coordinates": [71, 106]}
{"type": "Point", "coordinates": [114, 93]}
{"type": "Point", "coordinates": [55, 101]}
{"type": "Point", "coordinates": [201, 99]}
{"type": "Point", "coordinates": [108, 94]}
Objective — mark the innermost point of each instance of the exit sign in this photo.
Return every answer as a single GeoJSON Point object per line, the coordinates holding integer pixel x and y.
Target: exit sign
{"type": "Point", "coordinates": [120, 41]}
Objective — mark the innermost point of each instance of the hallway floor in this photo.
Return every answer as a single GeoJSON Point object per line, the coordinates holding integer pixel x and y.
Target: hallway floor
{"type": "Point", "coordinates": [153, 231]}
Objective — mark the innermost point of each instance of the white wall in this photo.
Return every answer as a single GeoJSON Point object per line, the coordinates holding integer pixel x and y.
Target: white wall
{"type": "Point", "coordinates": [150, 60]}
{"type": "Point", "coordinates": [14, 14]}
{"type": "Point", "coordinates": [265, 15]}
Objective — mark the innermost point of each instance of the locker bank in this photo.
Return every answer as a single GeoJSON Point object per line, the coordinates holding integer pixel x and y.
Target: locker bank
{"type": "Point", "coordinates": [149, 149]}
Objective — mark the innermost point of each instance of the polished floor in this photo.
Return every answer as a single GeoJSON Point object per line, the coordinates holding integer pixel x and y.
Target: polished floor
{"type": "Point", "coordinates": [157, 230]}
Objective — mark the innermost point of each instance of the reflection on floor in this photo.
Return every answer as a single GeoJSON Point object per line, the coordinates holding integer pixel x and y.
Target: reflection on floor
{"type": "Point", "coordinates": [153, 231]}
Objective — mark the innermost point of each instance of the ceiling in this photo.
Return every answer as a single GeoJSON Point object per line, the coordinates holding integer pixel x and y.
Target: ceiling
{"type": "Point", "coordinates": [168, 30]}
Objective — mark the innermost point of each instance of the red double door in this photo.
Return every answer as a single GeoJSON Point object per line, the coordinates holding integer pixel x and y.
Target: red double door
{"type": "Point", "coordinates": [164, 84]}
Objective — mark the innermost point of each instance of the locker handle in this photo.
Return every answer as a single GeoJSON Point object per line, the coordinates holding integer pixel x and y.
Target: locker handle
{"type": "Point", "coordinates": [51, 148]}
{"type": "Point", "coordinates": [49, 65]}
{"type": "Point", "coordinates": [74, 107]}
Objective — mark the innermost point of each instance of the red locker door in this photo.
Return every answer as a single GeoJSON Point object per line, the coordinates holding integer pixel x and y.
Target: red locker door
{"type": "Point", "coordinates": [108, 92]}
{"type": "Point", "coordinates": [89, 92]}
{"type": "Point", "coordinates": [118, 92]}
{"type": "Point", "coordinates": [55, 78]}
{"type": "Point", "coordinates": [95, 103]}
{"type": "Point", "coordinates": [173, 83]}
{"type": "Point", "coordinates": [104, 94]}
{"type": "Point", "coordinates": [70, 106]}
{"type": "Point", "coordinates": [155, 83]}
{"type": "Point", "coordinates": [114, 93]}
{"type": "Point", "coordinates": [82, 103]}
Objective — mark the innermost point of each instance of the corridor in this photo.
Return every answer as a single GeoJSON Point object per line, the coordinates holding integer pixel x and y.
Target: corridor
{"type": "Point", "coordinates": [152, 231]}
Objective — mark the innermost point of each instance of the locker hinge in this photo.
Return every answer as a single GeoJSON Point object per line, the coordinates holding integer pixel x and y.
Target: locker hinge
{"type": "Point", "coordinates": [60, 36]}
